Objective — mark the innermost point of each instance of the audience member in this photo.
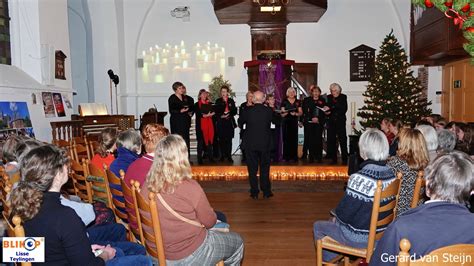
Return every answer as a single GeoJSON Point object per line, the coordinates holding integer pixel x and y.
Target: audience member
{"type": "Point", "coordinates": [394, 126]}
{"type": "Point", "coordinates": [465, 143]}
{"type": "Point", "coordinates": [9, 155]}
{"type": "Point", "coordinates": [412, 156]}
{"type": "Point", "coordinates": [129, 148]}
{"type": "Point", "coordinates": [384, 126]}
{"type": "Point", "coordinates": [105, 151]}
{"type": "Point", "coordinates": [352, 215]}
{"type": "Point", "coordinates": [446, 141]}
{"type": "Point", "coordinates": [442, 221]}
{"type": "Point", "coordinates": [37, 201]}
{"type": "Point", "coordinates": [187, 240]}
{"type": "Point", "coordinates": [431, 139]}
{"type": "Point", "coordinates": [151, 134]}
{"type": "Point", "coordinates": [440, 124]}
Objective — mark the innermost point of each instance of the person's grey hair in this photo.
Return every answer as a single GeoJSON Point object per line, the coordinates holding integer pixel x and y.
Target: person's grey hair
{"type": "Point", "coordinates": [336, 85]}
{"type": "Point", "coordinates": [450, 177]}
{"type": "Point", "coordinates": [446, 140]}
{"type": "Point", "coordinates": [373, 145]}
{"type": "Point", "coordinates": [431, 137]}
{"type": "Point", "coordinates": [258, 97]}
{"type": "Point", "coordinates": [290, 89]}
{"type": "Point", "coordinates": [131, 140]}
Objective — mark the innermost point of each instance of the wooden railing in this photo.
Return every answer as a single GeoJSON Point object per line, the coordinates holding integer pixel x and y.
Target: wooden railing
{"type": "Point", "coordinates": [66, 130]}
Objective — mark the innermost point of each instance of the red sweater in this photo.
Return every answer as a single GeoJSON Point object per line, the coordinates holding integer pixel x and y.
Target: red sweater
{"type": "Point", "coordinates": [137, 171]}
{"type": "Point", "coordinates": [181, 239]}
{"type": "Point", "coordinates": [99, 161]}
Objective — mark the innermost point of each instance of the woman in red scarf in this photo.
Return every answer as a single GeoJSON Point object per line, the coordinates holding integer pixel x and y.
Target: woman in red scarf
{"type": "Point", "coordinates": [204, 125]}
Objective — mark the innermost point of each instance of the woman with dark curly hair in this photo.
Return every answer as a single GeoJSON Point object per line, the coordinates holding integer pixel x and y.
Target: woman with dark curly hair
{"type": "Point", "coordinates": [36, 200]}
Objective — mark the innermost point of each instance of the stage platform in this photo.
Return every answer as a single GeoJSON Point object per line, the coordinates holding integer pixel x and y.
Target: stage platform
{"type": "Point", "coordinates": [278, 171]}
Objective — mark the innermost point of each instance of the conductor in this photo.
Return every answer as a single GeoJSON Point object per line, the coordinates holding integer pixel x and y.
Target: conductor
{"type": "Point", "coordinates": [257, 144]}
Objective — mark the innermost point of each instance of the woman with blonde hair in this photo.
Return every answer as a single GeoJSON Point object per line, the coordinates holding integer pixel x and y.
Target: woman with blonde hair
{"type": "Point", "coordinates": [186, 235]}
{"type": "Point", "coordinates": [412, 156]}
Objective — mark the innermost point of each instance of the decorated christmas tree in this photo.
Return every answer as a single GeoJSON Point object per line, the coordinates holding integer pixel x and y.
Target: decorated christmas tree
{"type": "Point", "coordinates": [393, 92]}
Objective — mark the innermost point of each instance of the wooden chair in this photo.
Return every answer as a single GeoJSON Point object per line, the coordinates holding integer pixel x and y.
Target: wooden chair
{"type": "Point", "coordinates": [80, 152]}
{"type": "Point", "coordinates": [99, 184]}
{"type": "Point", "coordinates": [91, 146]}
{"type": "Point", "coordinates": [132, 211]}
{"type": "Point", "coordinates": [418, 194]}
{"type": "Point", "coordinates": [391, 191]}
{"type": "Point", "coordinates": [65, 145]}
{"type": "Point", "coordinates": [82, 188]}
{"type": "Point", "coordinates": [148, 216]}
{"type": "Point", "coordinates": [6, 188]}
{"type": "Point", "coordinates": [465, 250]}
{"type": "Point", "coordinates": [19, 232]}
{"type": "Point", "coordinates": [119, 207]}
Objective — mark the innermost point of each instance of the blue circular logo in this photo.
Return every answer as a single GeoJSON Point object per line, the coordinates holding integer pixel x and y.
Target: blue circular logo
{"type": "Point", "coordinates": [30, 244]}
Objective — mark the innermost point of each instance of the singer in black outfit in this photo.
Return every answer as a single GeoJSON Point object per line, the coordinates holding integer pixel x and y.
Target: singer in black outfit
{"type": "Point", "coordinates": [225, 112]}
{"type": "Point", "coordinates": [337, 103]}
{"type": "Point", "coordinates": [290, 111]}
{"type": "Point", "coordinates": [204, 126]}
{"type": "Point", "coordinates": [181, 108]}
{"type": "Point", "coordinates": [242, 107]}
{"type": "Point", "coordinates": [257, 144]}
{"type": "Point", "coordinates": [313, 120]}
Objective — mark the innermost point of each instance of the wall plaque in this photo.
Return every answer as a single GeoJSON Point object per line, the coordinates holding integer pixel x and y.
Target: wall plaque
{"type": "Point", "coordinates": [362, 59]}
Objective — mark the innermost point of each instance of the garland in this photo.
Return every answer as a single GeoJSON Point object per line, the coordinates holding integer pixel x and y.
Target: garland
{"type": "Point", "coordinates": [462, 14]}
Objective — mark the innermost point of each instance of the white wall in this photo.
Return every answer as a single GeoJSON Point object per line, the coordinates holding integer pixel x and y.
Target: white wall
{"type": "Point", "coordinates": [34, 23]}
{"type": "Point", "coordinates": [118, 43]}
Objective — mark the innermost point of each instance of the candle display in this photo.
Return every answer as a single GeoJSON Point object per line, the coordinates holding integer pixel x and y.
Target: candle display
{"type": "Point", "coordinates": [170, 62]}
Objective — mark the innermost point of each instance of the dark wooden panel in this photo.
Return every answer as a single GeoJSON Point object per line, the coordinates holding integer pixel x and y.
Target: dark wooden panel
{"type": "Point", "coordinates": [435, 40]}
{"type": "Point", "coordinates": [246, 11]}
{"type": "Point", "coordinates": [306, 74]}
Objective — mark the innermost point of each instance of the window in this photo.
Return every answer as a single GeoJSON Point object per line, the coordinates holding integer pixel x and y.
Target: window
{"type": "Point", "coordinates": [5, 55]}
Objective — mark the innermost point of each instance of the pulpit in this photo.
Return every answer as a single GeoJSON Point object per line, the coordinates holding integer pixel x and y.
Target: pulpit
{"type": "Point", "coordinates": [269, 76]}
{"type": "Point", "coordinates": [152, 116]}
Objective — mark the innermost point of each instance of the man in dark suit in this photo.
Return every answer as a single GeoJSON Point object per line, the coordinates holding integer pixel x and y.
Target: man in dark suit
{"type": "Point", "coordinates": [257, 144]}
{"type": "Point", "coordinates": [337, 103]}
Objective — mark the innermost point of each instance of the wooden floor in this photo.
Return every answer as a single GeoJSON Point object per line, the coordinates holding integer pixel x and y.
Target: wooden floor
{"type": "Point", "coordinates": [276, 231]}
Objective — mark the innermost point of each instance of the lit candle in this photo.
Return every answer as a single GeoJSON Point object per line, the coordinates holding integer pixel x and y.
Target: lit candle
{"type": "Point", "coordinates": [353, 110]}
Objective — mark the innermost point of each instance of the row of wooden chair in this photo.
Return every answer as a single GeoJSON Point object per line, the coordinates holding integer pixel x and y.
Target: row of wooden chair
{"type": "Point", "coordinates": [79, 147]}
{"type": "Point", "coordinates": [15, 229]}
{"type": "Point", "coordinates": [93, 184]}
{"type": "Point", "coordinates": [390, 192]}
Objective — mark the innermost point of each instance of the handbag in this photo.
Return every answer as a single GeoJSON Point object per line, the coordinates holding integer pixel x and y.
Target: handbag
{"type": "Point", "coordinates": [177, 215]}
{"type": "Point", "coordinates": [219, 226]}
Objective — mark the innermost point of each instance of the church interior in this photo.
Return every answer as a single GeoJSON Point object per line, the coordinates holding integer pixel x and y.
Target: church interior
{"type": "Point", "coordinates": [71, 70]}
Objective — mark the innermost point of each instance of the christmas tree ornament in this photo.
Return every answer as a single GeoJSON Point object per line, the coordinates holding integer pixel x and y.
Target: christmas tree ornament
{"type": "Point", "coordinates": [429, 4]}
